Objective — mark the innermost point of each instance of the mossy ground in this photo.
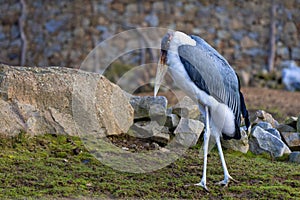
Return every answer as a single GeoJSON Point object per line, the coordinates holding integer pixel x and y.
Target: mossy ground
{"type": "Point", "coordinates": [51, 166]}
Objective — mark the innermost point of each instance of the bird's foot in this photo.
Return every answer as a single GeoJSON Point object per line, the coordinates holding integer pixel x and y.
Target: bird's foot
{"type": "Point", "coordinates": [226, 181]}
{"type": "Point", "coordinates": [202, 184]}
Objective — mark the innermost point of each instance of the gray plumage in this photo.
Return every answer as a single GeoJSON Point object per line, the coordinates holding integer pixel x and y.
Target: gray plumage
{"type": "Point", "coordinates": [212, 75]}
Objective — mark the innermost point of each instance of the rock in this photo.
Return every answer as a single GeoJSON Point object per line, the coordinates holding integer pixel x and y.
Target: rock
{"type": "Point", "coordinates": [187, 108]}
{"type": "Point", "coordinates": [298, 124]}
{"type": "Point", "coordinates": [188, 131]}
{"type": "Point", "coordinates": [241, 145]}
{"type": "Point", "coordinates": [290, 27]}
{"type": "Point", "coordinates": [292, 121]}
{"type": "Point", "coordinates": [161, 137]}
{"type": "Point", "coordinates": [149, 106]}
{"type": "Point", "coordinates": [283, 52]}
{"type": "Point", "coordinates": [295, 157]}
{"type": "Point", "coordinates": [247, 42]}
{"type": "Point", "coordinates": [291, 77]}
{"type": "Point", "coordinates": [292, 139]}
{"type": "Point", "coordinates": [262, 141]}
{"type": "Point", "coordinates": [157, 113]}
{"type": "Point", "coordinates": [264, 125]}
{"type": "Point", "coordinates": [53, 25]}
{"type": "Point", "coordinates": [62, 101]}
{"type": "Point", "coordinates": [151, 130]}
{"type": "Point", "coordinates": [274, 132]}
{"type": "Point", "coordinates": [172, 121]}
{"type": "Point", "coordinates": [152, 19]}
{"type": "Point", "coordinates": [285, 128]}
{"type": "Point", "coordinates": [263, 116]}
{"type": "Point", "coordinates": [10, 122]}
{"type": "Point", "coordinates": [245, 78]}
{"type": "Point", "coordinates": [296, 53]}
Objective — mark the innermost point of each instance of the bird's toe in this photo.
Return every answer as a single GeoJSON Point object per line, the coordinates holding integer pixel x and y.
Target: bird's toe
{"type": "Point", "coordinates": [203, 185]}
{"type": "Point", "coordinates": [223, 183]}
{"type": "Point", "coordinates": [226, 181]}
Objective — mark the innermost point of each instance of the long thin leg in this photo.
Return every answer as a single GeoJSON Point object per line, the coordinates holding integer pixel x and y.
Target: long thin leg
{"type": "Point", "coordinates": [227, 177]}
{"type": "Point", "coordinates": [202, 183]}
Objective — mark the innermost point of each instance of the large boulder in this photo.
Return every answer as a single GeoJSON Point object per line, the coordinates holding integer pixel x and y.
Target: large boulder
{"type": "Point", "coordinates": [263, 141]}
{"type": "Point", "coordinates": [62, 101]}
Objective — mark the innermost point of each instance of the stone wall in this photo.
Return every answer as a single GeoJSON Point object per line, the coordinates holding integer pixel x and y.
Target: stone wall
{"type": "Point", "coordinates": [62, 32]}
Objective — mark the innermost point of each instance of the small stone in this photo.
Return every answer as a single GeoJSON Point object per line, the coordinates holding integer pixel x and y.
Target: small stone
{"type": "Point", "coordinates": [151, 130]}
{"type": "Point", "coordinates": [146, 146]}
{"type": "Point", "coordinates": [263, 116]}
{"type": "Point", "coordinates": [118, 6]}
{"type": "Point", "coordinates": [298, 124]}
{"type": "Point", "coordinates": [283, 52]}
{"type": "Point", "coordinates": [188, 131]}
{"type": "Point", "coordinates": [247, 42]}
{"type": "Point", "coordinates": [172, 121]}
{"type": "Point", "coordinates": [152, 19]}
{"type": "Point", "coordinates": [161, 137]}
{"type": "Point", "coordinates": [53, 25]}
{"type": "Point", "coordinates": [245, 78]}
{"type": "Point", "coordinates": [296, 53]}
{"type": "Point", "coordinates": [290, 27]}
{"type": "Point", "coordinates": [292, 121]}
{"type": "Point", "coordinates": [125, 148]}
{"type": "Point", "coordinates": [295, 157]}
{"type": "Point", "coordinates": [77, 151]}
{"type": "Point", "coordinates": [154, 146]}
{"type": "Point", "coordinates": [187, 108]}
{"type": "Point", "coordinates": [292, 139]}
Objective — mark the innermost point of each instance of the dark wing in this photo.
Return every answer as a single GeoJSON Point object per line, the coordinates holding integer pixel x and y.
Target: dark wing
{"type": "Point", "coordinates": [212, 74]}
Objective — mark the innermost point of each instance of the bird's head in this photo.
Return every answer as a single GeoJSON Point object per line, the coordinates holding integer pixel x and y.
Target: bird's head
{"type": "Point", "coordinates": [162, 65]}
{"type": "Point", "coordinates": [165, 45]}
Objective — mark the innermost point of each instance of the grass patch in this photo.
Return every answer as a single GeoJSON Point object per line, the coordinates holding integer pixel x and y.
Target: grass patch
{"type": "Point", "coordinates": [48, 166]}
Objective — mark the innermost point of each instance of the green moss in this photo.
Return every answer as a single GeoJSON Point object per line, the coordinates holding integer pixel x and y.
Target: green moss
{"type": "Point", "coordinates": [46, 167]}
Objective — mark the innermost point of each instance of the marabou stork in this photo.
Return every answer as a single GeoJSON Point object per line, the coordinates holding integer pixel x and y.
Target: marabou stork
{"type": "Point", "coordinates": [205, 76]}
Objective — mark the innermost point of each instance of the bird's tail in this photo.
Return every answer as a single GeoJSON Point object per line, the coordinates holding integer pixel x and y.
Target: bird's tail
{"type": "Point", "coordinates": [244, 111]}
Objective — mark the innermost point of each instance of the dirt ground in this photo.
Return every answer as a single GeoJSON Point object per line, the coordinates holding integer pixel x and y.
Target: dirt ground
{"type": "Point", "coordinates": [280, 103]}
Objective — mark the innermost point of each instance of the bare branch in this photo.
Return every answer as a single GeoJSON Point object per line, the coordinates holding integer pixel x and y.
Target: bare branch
{"type": "Point", "coordinates": [272, 47]}
{"type": "Point", "coordinates": [22, 19]}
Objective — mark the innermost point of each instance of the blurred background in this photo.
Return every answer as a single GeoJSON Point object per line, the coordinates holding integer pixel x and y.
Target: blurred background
{"type": "Point", "coordinates": [258, 38]}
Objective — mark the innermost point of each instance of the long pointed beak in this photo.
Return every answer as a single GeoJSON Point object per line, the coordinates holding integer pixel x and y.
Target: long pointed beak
{"type": "Point", "coordinates": [162, 69]}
